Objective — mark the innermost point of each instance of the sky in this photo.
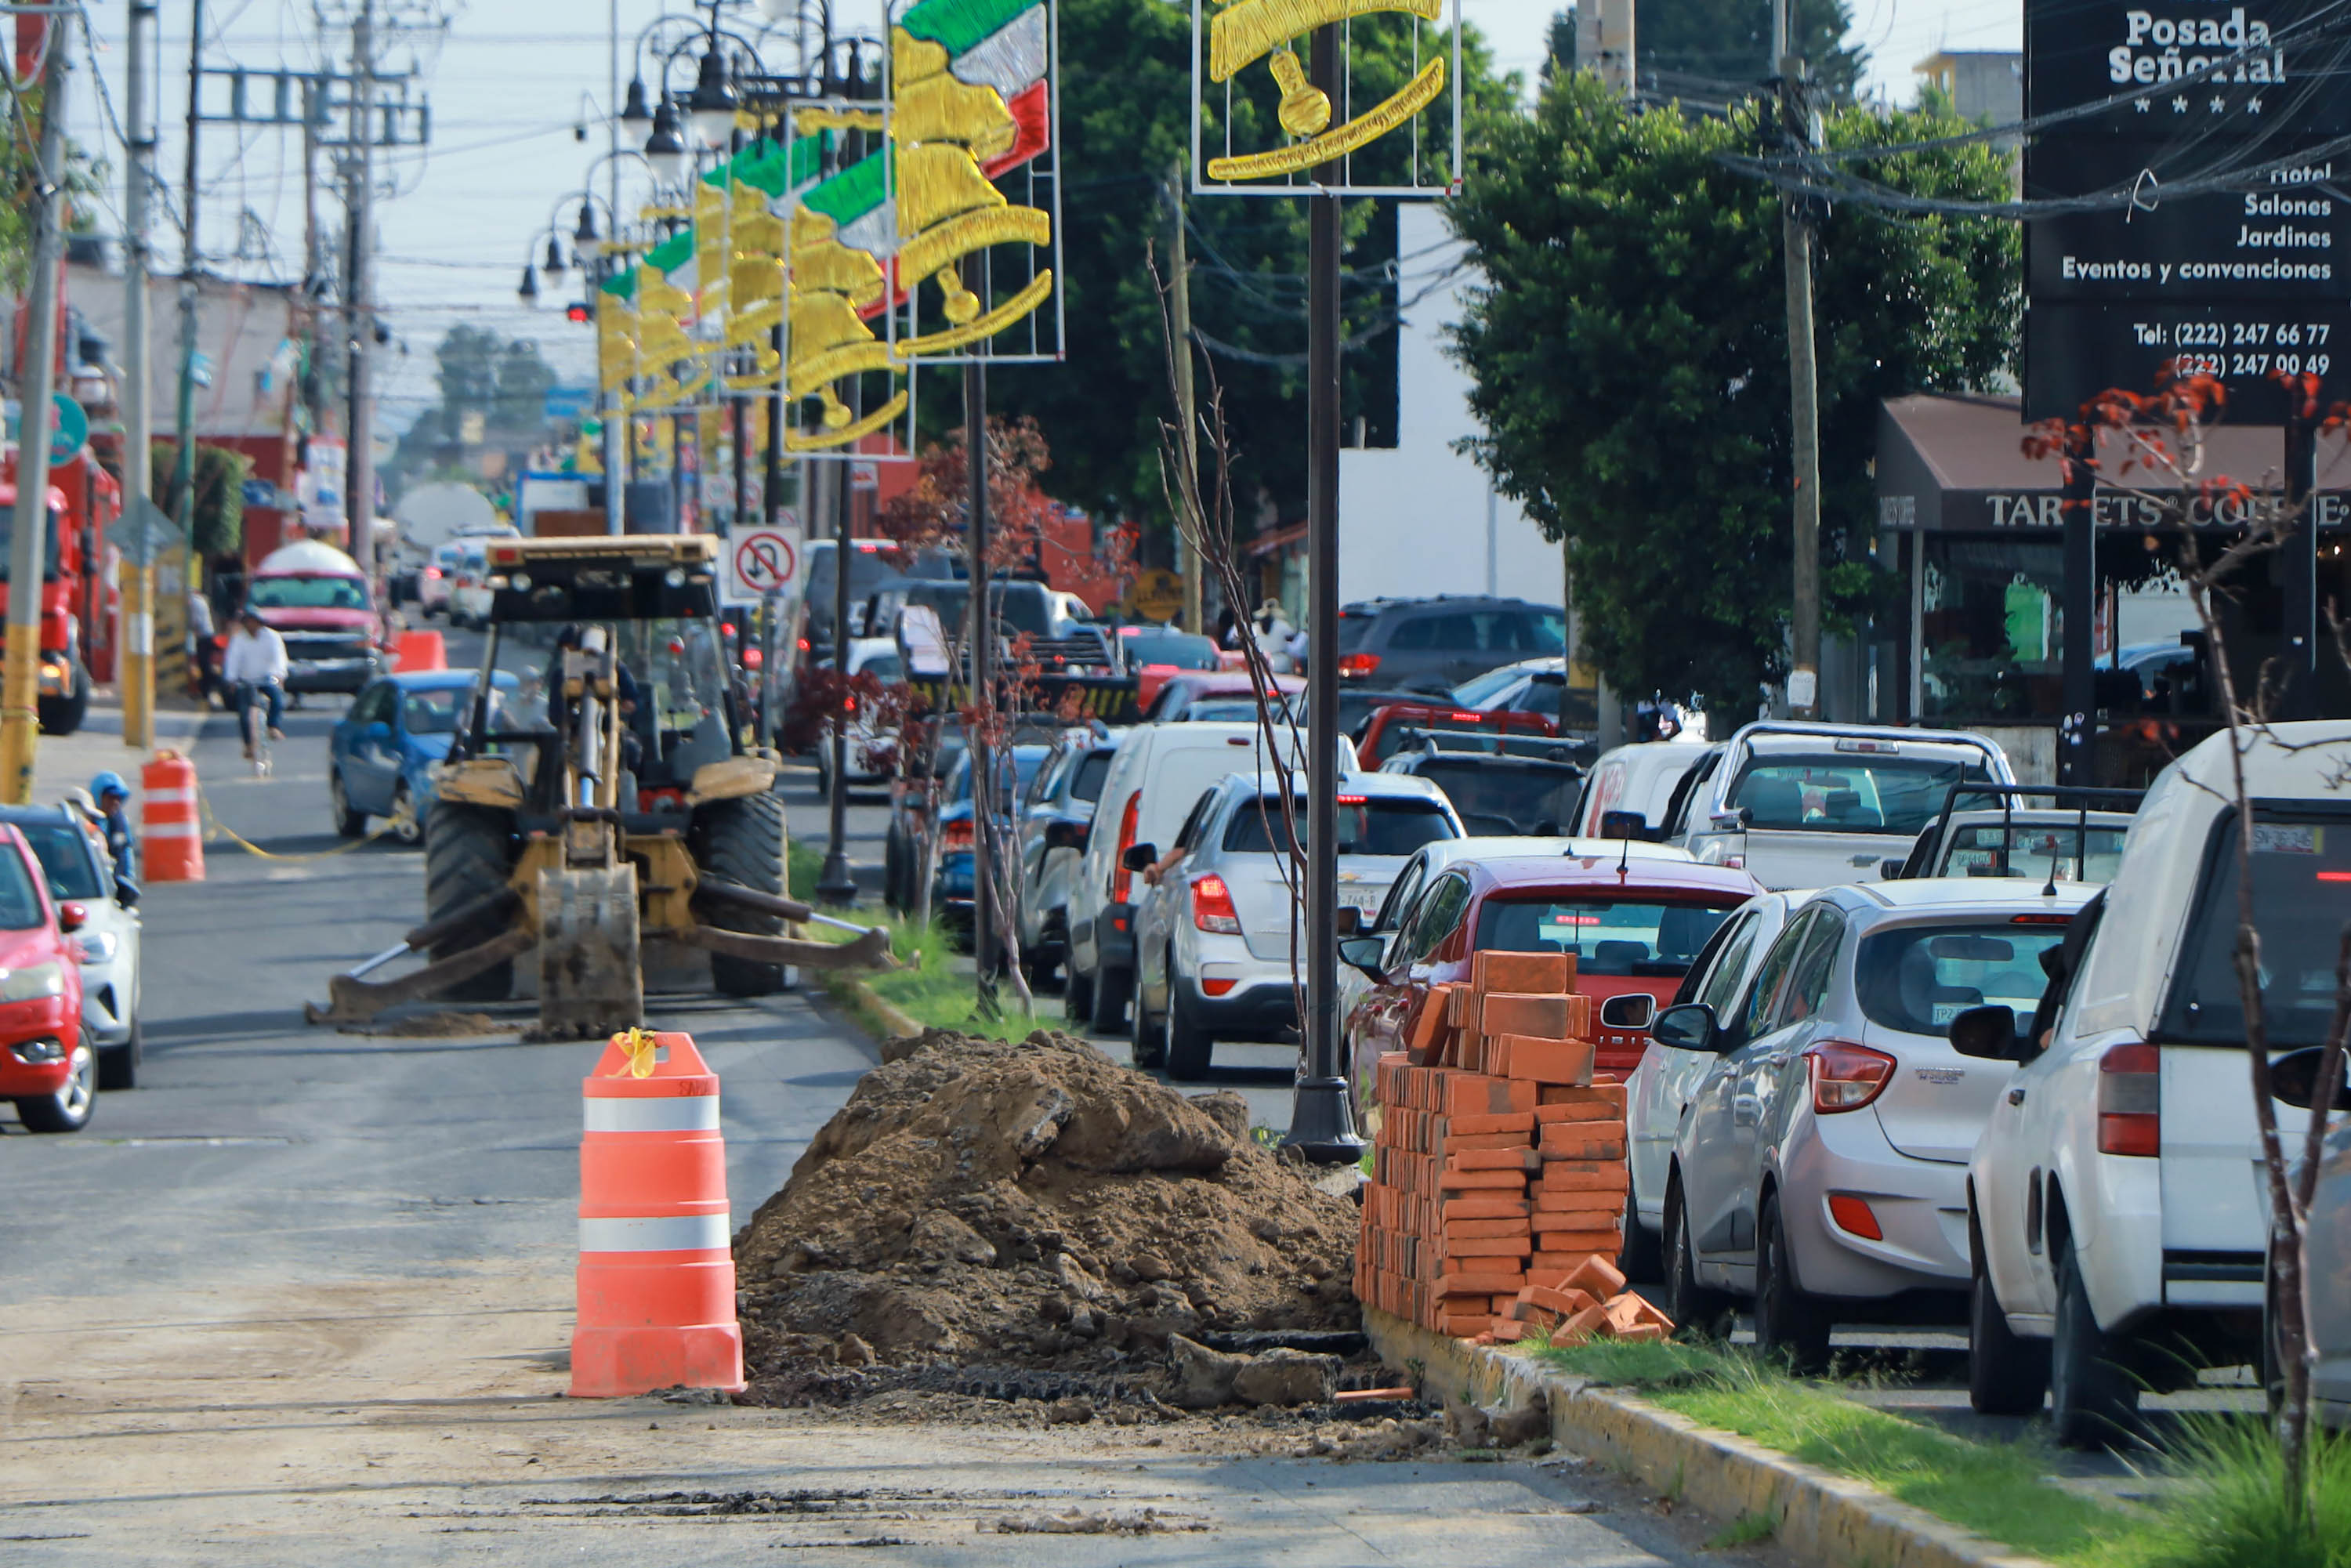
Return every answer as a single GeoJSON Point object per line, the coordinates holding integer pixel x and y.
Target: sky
{"type": "Point", "coordinates": [510, 81]}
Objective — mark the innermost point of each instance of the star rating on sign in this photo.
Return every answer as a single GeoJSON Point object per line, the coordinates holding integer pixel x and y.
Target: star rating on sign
{"type": "Point", "coordinates": [2141, 106]}
{"type": "Point", "coordinates": [2180, 105]}
{"type": "Point", "coordinates": [2219, 103]}
{"type": "Point", "coordinates": [2253, 106]}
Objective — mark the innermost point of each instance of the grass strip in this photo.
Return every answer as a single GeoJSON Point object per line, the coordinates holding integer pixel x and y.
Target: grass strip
{"type": "Point", "coordinates": [938, 989]}
{"type": "Point", "coordinates": [1999, 1491]}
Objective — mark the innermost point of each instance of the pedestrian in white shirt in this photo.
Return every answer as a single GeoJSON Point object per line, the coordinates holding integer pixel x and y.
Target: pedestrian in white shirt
{"type": "Point", "coordinates": [256, 666]}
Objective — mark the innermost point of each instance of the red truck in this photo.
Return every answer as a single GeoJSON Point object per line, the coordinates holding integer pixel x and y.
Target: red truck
{"type": "Point", "coordinates": [78, 601]}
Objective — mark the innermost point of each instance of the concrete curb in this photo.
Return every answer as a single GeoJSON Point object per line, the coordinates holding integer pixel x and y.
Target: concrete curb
{"type": "Point", "coordinates": [899, 1024]}
{"type": "Point", "coordinates": [1824, 1519]}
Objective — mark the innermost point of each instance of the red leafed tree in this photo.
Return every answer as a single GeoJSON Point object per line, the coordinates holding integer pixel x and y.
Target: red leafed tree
{"type": "Point", "coordinates": [931, 515]}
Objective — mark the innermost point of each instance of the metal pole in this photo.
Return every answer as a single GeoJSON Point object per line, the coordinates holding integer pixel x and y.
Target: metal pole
{"type": "Point", "coordinates": [1189, 563]}
{"type": "Point", "coordinates": [616, 416]}
{"type": "Point", "coordinates": [983, 674]}
{"type": "Point", "coordinates": [359, 492]}
{"type": "Point", "coordinates": [1803, 388]}
{"type": "Point", "coordinates": [20, 708]}
{"type": "Point", "coordinates": [138, 417]}
{"type": "Point", "coordinates": [1322, 1117]}
{"type": "Point", "coordinates": [837, 885]}
{"type": "Point", "coordinates": [182, 492]}
{"type": "Point", "coordinates": [2076, 732]}
{"type": "Point", "coordinates": [2298, 572]}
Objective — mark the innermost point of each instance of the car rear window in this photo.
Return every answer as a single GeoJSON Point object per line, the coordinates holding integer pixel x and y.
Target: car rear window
{"type": "Point", "coordinates": [1184, 651]}
{"type": "Point", "coordinates": [1091, 773]}
{"type": "Point", "coordinates": [1918, 979]}
{"type": "Point", "coordinates": [1847, 794]}
{"type": "Point", "coordinates": [1366, 826]}
{"type": "Point", "coordinates": [2302, 900]}
{"type": "Point", "coordinates": [1650, 937]}
{"type": "Point", "coordinates": [1505, 798]}
{"type": "Point", "coordinates": [1984, 849]}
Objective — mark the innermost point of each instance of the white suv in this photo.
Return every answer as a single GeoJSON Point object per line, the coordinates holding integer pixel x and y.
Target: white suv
{"type": "Point", "coordinates": [2116, 1210]}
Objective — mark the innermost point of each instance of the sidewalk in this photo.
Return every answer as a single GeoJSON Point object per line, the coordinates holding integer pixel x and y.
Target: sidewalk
{"type": "Point", "coordinates": [63, 762]}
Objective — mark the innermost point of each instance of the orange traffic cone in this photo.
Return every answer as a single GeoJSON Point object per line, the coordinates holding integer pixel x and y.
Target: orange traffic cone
{"type": "Point", "coordinates": [656, 1281]}
{"type": "Point", "coordinates": [171, 844]}
{"type": "Point", "coordinates": [420, 650]}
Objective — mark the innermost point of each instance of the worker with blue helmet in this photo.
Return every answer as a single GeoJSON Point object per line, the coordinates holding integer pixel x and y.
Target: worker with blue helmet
{"type": "Point", "coordinates": [113, 798]}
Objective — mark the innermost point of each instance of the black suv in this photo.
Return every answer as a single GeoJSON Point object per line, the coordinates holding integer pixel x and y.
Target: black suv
{"type": "Point", "coordinates": [1506, 794]}
{"type": "Point", "coordinates": [1435, 645]}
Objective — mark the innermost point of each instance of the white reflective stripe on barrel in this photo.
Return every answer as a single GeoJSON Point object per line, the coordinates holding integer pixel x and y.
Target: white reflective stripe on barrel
{"type": "Point", "coordinates": [667, 1233]}
{"type": "Point", "coordinates": [167, 830]}
{"type": "Point", "coordinates": [670, 1113]}
{"type": "Point", "coordinates": [186, 797]}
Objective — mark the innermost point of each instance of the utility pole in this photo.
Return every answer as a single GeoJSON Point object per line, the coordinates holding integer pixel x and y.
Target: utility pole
{"type": "Point", "coordinates": [1321, 1118]}
{"type": "Point", "coordinates": [1190, 563]}
{"type": "Point", "coordinates": [138, 580]}
{"type": "Point", "coordinates": [182, 492]}
{"type": "Point", "coordinates": [1605, 41]}
{"type": "Point", "coordinates": [20, 702]}
{"type": "Point", "coordinates": [984, 774]}
{"type": "Point", "coordinates": [359, 493]}
{"type": "Point", "coordinates": [616, 401]}
{"type": "Point", "coordinates": [2298, 562]}
{"type": "Point", "coordinates": [1803, 383]}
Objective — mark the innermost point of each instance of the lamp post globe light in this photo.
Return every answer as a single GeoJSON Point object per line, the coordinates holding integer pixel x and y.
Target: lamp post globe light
{"type": "Point", "coordinates": [666, 149]}
{"type": "Point", "coordinates": [636, 117]}
{"type": "Point", "coordinates": [529, 292]}
{"type": "Point", "coordinates": [711, 108]}
{"type": "Point", "coordinates": [554, 265]}
{"type": "Point", "coordinates": [585, 241]}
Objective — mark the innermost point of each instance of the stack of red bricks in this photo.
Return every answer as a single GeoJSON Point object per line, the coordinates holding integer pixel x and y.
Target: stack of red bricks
{"type": "Point", "coordinates": [1499, 1169]}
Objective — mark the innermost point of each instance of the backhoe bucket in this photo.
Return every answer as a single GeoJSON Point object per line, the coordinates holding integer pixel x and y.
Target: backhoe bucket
{"type": "Point", "coordinates": [590, 980]}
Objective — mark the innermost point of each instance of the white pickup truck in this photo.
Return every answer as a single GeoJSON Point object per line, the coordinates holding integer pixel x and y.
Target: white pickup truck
{"type": "Point", "coordinates": [1816, 805]}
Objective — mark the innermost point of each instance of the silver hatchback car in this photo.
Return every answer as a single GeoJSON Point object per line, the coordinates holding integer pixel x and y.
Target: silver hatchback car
{"type": "Point", "coordinates": [1820, 1167]}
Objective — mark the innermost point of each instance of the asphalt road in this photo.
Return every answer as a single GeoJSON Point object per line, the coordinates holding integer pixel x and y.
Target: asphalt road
{"type": "Point", "coordinates": [306, 1297]}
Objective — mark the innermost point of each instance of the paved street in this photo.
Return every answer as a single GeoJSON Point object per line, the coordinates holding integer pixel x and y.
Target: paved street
{"type": "Point", "coordinates": [306, 1297]}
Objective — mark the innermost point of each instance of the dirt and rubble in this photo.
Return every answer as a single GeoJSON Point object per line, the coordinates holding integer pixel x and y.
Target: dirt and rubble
{"type": "Point", "coordinates": [1030, 1221]}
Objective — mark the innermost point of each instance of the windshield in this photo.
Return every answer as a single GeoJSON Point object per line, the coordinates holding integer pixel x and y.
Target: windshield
{"type": "Point", "coordinates": [1365, 827]}
{"type": "Point", "coordinates": [1091, 774]}
{"type": "Point", "coordinates": [1918, 979]}
{"type": "Point", "coordinates": [20, 902]}
{"type": "Point", "coordinates": [307, 593]}
{"type": "Point", "coordinates": [1608, 936]}
{"type": "Point", "coordinates": [1983, 849]}
{"type": "Point", "coordinates": [886, 668]}
{"type": "Point", "coordinates": [435, 711]}
{"type": "Point", "coordinates": [1231, 710]}
{"type": "Point", "coordinates": [868, 574]}
{"type": "Point", "coordinates": [48, 542]}
{"type": "Point", "coordinates": [1019, 606]}
{"type": "Point", "coordinates": [1016, 780]}
{"type": "Point", "coordinates": [1505, 799]}
{"type": "Point", "coordinates": [1493, 683]}
{"type": "Point", "coordinates": [2302, 900]}
{"type": "Point", "coordinates": [1847, 794]}
{"type": "Point", "coordinates": [64, 859]}
{"type": "Point", "coordinates": [1185, 653]}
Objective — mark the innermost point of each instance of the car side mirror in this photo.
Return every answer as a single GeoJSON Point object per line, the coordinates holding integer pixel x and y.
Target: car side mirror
{"type": "Point", "coordinates": [1689, 1027]}
{"type": "Point", "coordinates": [1065, 836]}
{"type": "Point", "coordinates": [1890, 871]}
{"type": "Point", "coordinates": [1734, 821]}
{"type": "Point", "coordinates": [377, 729]}
{"type": "Point", "coordinates": [72, 916]}
{"type": "Point", "coordinates": [1349, 921]}
{"type": "Point", "coordinates": [1140, 857]}
{"type": "Point", "coordinates": [1363, 953]}
{"type": "Point", "coordinates": [2294, 1079]}
{"type": "Point", "coordinates": [1623, 825]}
{"type": "Point", "coordinates": [1988, 1034]}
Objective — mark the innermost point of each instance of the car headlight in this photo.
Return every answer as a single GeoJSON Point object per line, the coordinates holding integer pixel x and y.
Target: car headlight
{"type": "Point", "coordinates": [30, 985]}
{"type": "Point", "coordinates": [97, 946]}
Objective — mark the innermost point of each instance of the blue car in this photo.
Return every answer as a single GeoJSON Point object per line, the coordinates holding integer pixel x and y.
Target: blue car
{"type": "Point", "coordinates": [951, 882]}
{"type": "Point", "coordinates": [381, 759]}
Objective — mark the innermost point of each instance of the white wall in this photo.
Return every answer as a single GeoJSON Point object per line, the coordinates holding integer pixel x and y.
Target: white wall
{"type": "Point", "coordinates": [1413, 521]}
{"type": "Point", "coordinates": [242, 328]}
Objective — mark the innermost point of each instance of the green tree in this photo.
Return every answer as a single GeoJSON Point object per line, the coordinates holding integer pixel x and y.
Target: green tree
{"type": "Point", "coordinates": [218, 520]}
{"type": "Point", "coordinates": [1628, 352]}
{"type": "Point", "coordinates": [1126, 100]}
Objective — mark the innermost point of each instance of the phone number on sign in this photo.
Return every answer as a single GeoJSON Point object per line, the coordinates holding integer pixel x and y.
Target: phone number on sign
{"type": "Point", "coordinates": [2242, 347]}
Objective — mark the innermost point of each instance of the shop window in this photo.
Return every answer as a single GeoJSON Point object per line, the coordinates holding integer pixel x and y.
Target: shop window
{"type": "Point", "coordinates": [1992, 628]}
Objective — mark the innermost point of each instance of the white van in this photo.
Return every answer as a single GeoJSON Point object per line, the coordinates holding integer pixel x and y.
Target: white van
{"type": "Point", "coordinates": [1161, 769]}
{"type": "Point", "coordinates": [1640, 778]}
{"type": "Point", "coordinates": [2116, 1202]}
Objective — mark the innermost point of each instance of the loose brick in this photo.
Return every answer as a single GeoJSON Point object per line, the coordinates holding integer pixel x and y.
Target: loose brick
{"type": "Point", "coordinates": [1502, 1305]}
{"type": "Point", "coordinates": [1642, 1332]}
{"type": "Point", "coordinates": [1536, 1017]}
{"type": "Point", "coordinates": [1518, 1226]}
{"type": "Point", "coordinates": [1482, 1181]}
{"type": "Point", "coordinates": [1573, 1250]}
{"type": "Point", "coordinates": [1464, 1325]}
{"type": "Point", "coordinates": [1429, 1020]}
{"type": "Point", "coordinates": [1582, 1326]}
{"type": "Point", "coordinates": [1506, 1332]}
{"type": "Point", "coordinates": [1554, 1061]}
{"type": "Point", "coordinates": [1536, 974]}
{"type": "Point", "coordinates": [1600, 1278]}
{"type": "Point", "coordinates": [1566, 1303]}
{"type": "Point", "coordinates": [1499, 1122]}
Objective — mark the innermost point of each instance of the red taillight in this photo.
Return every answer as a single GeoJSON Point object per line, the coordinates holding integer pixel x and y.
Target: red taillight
{"type": "Point", "coordinates": [1465, 717]}
{"type": "Point", "coordinates": [1122, 881]}
{"type": "Point", "coordinates": [1358, 664]}
{"type": "Point", "coordinates": [434, 572]}
{"type": "Point", "coordinates": [1212, 906]}
{"type": "Point", "coordinates": [804, 644]}
{"type": "Point", "coordinates": [753, 658]}
{"type": "Point", "coordinates": [2130, 1120]}
{"type": "Point", "coordinates": [1350, 799]}
{"type": "Point", "coordinates": [2041, 920]}
{"type": "Point", "coordinates": [1845, 1077]}
{"type": "Point", "coordinates": [955, 835]}
{"type": "Point", "coordinates": [1854, 1217]}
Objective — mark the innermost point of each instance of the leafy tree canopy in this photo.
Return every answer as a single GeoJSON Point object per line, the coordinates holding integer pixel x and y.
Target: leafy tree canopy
{"type": "Point", "coordinates": [1126, 97]}
{"type": "Point", "coordinates": [218, 518]}
{"type": "Point", "coordinates": [1629, 358]}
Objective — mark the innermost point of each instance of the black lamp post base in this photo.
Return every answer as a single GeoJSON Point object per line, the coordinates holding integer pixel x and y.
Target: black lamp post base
{"type": "Point", "coordinates": [1323, 1122]}
{"type": "Point", "coordinates": [835, 884]}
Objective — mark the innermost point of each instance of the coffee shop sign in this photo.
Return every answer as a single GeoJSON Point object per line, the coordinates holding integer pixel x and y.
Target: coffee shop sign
{"type": "Point", "coordinates": [2045, 509]}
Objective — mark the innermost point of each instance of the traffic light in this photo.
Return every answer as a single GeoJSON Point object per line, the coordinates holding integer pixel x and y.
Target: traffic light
{"type": "Point", "coordinates": [577, 311]}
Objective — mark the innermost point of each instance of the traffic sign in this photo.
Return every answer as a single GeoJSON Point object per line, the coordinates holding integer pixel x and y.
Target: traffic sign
{"type": "Point", "coordinates": [68, 431]}
{"type": "Point", "coordinates": [143, 533]}
{"type": "Point", "coordinates": [759, 561]}
{"type": "Point", "coordinates": [1157, 595]}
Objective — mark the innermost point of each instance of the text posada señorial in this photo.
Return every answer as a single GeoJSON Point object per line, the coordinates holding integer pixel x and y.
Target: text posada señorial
{"type": "Point", "coordinates": [2153, 48]}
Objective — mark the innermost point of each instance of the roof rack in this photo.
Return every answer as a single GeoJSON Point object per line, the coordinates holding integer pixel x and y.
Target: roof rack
{"type": "Point", "coordinates": [2083, 798]}
{"type": "Point", "coordinates": [1436, 740]}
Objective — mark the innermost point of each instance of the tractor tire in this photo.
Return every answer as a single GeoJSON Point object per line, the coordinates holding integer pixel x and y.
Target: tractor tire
{"type": "Point", "coordinates": [742, 841]}
{"type": "Point", "coordinates": [63, 715]}
{"type": "Point", "coordinates": [467, 854]}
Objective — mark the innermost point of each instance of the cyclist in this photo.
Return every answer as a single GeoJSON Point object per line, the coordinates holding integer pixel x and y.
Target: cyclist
{"type": "Point", "coordinates": [255, 667]}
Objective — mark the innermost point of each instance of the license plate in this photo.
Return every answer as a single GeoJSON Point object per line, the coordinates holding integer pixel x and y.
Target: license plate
{"type": "Point", "coordinates": [1366, 899]}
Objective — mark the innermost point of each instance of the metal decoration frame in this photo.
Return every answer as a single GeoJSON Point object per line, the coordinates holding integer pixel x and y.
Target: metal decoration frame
{"type": "Point", "coordinates": [1290, 165]}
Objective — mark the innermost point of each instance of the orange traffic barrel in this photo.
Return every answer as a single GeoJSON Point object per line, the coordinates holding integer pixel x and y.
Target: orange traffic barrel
{"type": "Point", "coordinates": [170, 842]}
{"type": "Point", "coordinates": [656, 1282]}
{"type": "Point", "coordinates": [420, 650]}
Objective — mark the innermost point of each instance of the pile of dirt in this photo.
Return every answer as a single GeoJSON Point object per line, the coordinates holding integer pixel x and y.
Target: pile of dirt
{"type": "Point", "coordinates": [1035, 1218]}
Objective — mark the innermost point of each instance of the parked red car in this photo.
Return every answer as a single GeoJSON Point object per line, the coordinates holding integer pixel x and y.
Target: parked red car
{"type": "Point", "coordinates": [47, 1064]}
{"type": "Point", "coordinates": [1635, 924]}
